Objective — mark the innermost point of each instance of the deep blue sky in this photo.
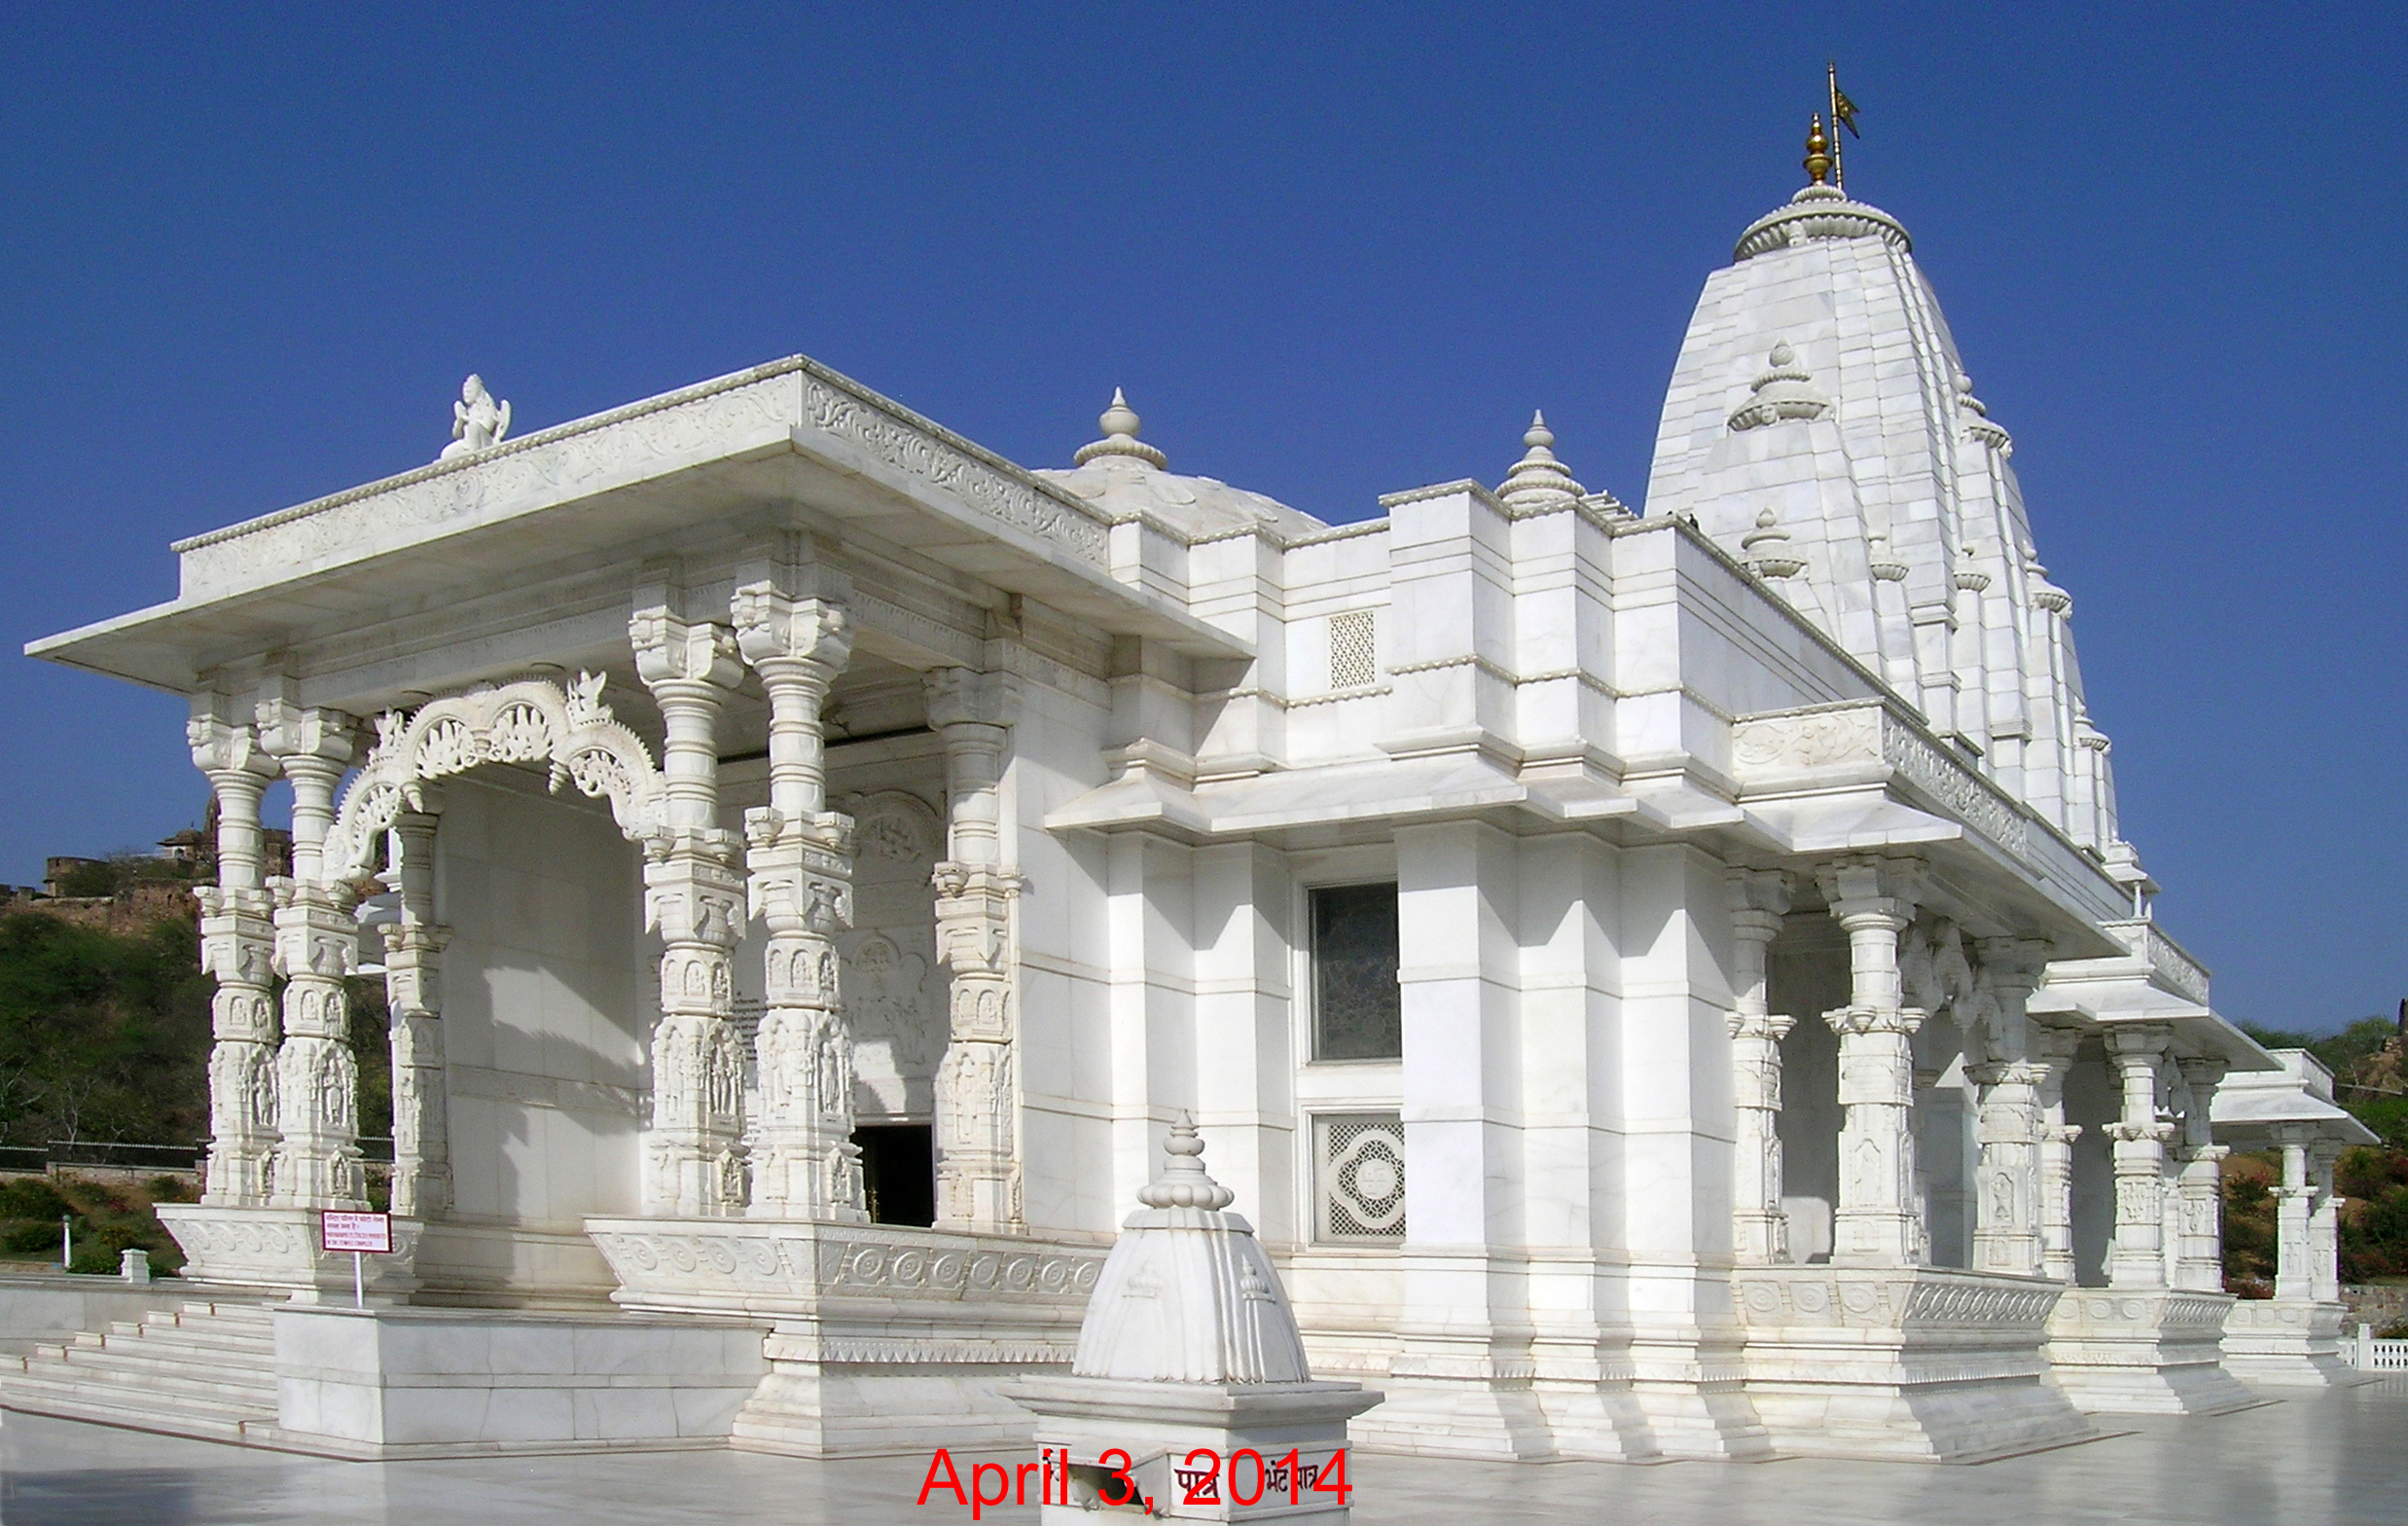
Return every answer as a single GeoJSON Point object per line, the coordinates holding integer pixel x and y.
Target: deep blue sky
{"type": "Point", "coordinates": [249, 255]}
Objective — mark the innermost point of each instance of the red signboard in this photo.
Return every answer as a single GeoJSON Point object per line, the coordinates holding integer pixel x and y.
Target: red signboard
{"type": "Point", "coordinates": [372, 1233]}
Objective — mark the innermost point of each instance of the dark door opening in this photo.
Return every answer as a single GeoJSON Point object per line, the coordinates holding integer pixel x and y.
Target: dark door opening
{"type": "Point", "coordinates": [898, 1172]}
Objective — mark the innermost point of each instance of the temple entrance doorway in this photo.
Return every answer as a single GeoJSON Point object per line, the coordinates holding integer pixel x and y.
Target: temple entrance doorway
{"type": "Point", "coordinates": [898, 1172]}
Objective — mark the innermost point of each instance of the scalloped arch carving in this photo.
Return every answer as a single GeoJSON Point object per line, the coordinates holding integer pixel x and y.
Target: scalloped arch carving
{"type": "Point", "coordinates": [571, 732]}
{"type": "Point", "coordinates": [897, 824]}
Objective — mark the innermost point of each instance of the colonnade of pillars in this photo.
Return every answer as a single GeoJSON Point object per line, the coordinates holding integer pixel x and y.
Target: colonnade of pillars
{"type": "Point", "coordinates": [283, 1085]}
{"type": "Point", "coordinates": [2168, 1203]}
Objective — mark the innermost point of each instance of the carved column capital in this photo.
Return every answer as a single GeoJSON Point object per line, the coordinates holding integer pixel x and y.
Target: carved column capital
{"type": "Point", "coordinates": [1869, 887]}
{"type": "Point", "coordinates": [2054, 1045]}
{"type": "Point", "coordinates": [306, 735]}
{"type": "Point", "coordinates": [2007, 1073]}
{"type": "Point", "coordinates": [2133, 1043]}
{"type": "Point", "coordinates": [2140, 1133]}
{"type": "Point", "coordinates": [772, 626]}
{"type": "Point", "coordinates": [2204, 1073]}
{"type": "Point", "coordinates": [1855, 1021]}
{"type": "Point", "coordinates": [224, 744]}
{"type": "Point", "coordinates": [673, 650]}
{"type": "Point", "coordinates": [966, 697]}
{"type": "Point", "coordinates": [2014, 963]}
{"type": "Point", "coordinates": [1756, 894]}
{"type": "Point", "coordinates": [1771, 1025]}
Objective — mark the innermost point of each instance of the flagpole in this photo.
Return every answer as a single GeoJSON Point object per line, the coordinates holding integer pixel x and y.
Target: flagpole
{"type": "Point", "coordinates": [1831, 75]}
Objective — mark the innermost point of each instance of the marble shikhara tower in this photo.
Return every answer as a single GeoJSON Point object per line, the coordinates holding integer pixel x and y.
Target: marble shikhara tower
{"type": "Point", "coordinates": [1659, 984]}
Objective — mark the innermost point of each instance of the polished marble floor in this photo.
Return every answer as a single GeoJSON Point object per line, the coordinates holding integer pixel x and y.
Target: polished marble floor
{"type": "Point", "coordinates": [2330, 1458]}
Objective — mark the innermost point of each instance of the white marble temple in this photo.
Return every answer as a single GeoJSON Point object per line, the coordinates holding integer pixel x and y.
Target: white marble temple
{"type": "Point", "coordinates": [1661, 984]}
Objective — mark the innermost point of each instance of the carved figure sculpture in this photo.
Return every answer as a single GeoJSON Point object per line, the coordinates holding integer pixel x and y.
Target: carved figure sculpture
{"type": "Point", "coordinates": [477, 421]}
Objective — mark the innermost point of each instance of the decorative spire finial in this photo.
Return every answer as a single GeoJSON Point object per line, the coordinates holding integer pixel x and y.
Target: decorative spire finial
{"type": "Point", "coordinates": [1818, 151]}
{"type": "Point", "coordinates": [1538, 479]}
{"type": "Point", "coordinates": [1885, 565]}
{"type": "Point", "coordinates": [1119, 437]}
{"type": "Point", "coordinates": [1183, 1183]}
{"type": "Point", "coordinates": [1783, 389]}
{"type": "Point", "coordinates": [1767, 548]}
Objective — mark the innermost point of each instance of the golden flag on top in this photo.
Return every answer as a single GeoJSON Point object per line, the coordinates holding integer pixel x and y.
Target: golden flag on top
{"type": "Point", "coordinates": [1844, 110]}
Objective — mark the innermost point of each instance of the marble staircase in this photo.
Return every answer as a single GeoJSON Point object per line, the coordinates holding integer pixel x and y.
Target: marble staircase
{"type": "Point", "coordinates": [206, 1370]}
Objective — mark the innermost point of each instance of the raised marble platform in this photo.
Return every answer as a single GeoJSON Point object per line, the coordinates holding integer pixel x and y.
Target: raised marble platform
{"type": "Point", "coordinates": [2144, 1352]}
{"type": "Point", "coordinates": [391, 1383]}
{"type": "Point", "coordinates": [886, 1339]}
{"type": "Point", "coordinates": [2289, 1343]}
{"type": "Point", "coordinates": [1921, 1364]}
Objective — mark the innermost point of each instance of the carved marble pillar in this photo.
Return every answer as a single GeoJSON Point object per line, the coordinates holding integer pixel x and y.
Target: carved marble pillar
{"type": "Point", "coordinates": [317, 947]}
{"type": "Point", "coordinates": [1759, 1229]}
{"type": "Point", "coordinates": [2052, 1047]}
{"type": "Point", "coordinates": [2325, 1226]}
{"type": "Point", "coordinates": [693, 897]}
{"type": "Point", "coordinates": [2138, 1259]}
{"type": "Point", "coordinates": [2009, 1187]}
{"type": "Point", "coordinates": [2199, 1188]}
{"type": "Point", "coordinates": [2294, 1211]}
{"type": "Point", "coordinates": [237, 946]}
{"type": "Point", "coordinates": [413, 1000]}
{"type": "Point", "coordinates": [806, 1164]}
{"type": "Point", "coordinates": [1878, 1221]}
{"type": "Point", "coordinates": [978, 1166]}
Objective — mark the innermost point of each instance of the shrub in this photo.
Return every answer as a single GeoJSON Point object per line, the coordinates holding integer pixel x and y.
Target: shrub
{"type": "Point", "coordinates": [100, 1246]}
{"type": "Point", "coordinates": [32, 1197]}
{"type": "Point", "coordinates": [171, 1190]}
{"type": "Point", "coordinates": [32, 1239]}
{"type": "Point", "coordinates": [92, 1259]}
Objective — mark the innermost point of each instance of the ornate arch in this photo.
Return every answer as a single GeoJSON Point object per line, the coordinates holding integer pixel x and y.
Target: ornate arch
{"type": "Point", "coordinates": [529, 721]}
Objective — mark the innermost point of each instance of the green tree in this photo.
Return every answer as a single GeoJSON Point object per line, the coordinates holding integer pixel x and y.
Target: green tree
{"type": "Point", "coordinates": [102, 1036]}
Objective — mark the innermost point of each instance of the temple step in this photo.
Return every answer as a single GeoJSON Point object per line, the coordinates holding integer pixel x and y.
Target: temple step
{"type": "Point", "coordinates": [204, 1371]}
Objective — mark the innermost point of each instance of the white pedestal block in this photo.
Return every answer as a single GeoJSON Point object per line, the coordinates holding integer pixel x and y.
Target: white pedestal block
{"type": "Point", "coordinates": [887, 1340]}
{"type": "Point", "coordinates": [2289, 1343]}
{"type": "Point", "coordinates": [396, 1383]}
{"type": "Point", "coordinates": [1165, 1427]}
{"type": "Point", "coordinates": [2144, 1352]}
{"type": "Point", "coordinates": [1912, 1362]}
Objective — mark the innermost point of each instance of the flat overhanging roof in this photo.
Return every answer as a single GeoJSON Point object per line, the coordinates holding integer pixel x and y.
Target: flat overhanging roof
{"type": "Point", "coordinates": [698, 463]}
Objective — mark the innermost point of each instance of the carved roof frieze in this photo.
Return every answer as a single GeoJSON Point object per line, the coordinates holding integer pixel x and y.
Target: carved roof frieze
{"type": "Point", "coordinates": [789, 398]}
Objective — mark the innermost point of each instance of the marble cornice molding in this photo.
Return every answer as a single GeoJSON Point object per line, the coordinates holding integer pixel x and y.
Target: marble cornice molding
{"type": "Point", "coordinates": [1466, 487]}
{"type": "Point", "coordinates": [1352, 530]}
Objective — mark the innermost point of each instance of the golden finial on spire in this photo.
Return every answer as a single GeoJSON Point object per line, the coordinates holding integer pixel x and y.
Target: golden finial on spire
{"type": "Point", "coordinates": [1818, 151]}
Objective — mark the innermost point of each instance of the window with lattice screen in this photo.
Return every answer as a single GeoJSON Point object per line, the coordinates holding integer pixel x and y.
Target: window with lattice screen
{"type": "Point", "coordinates": [1352, 660]}
{"type": "Point", "coordinates": [1359, 1176]}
